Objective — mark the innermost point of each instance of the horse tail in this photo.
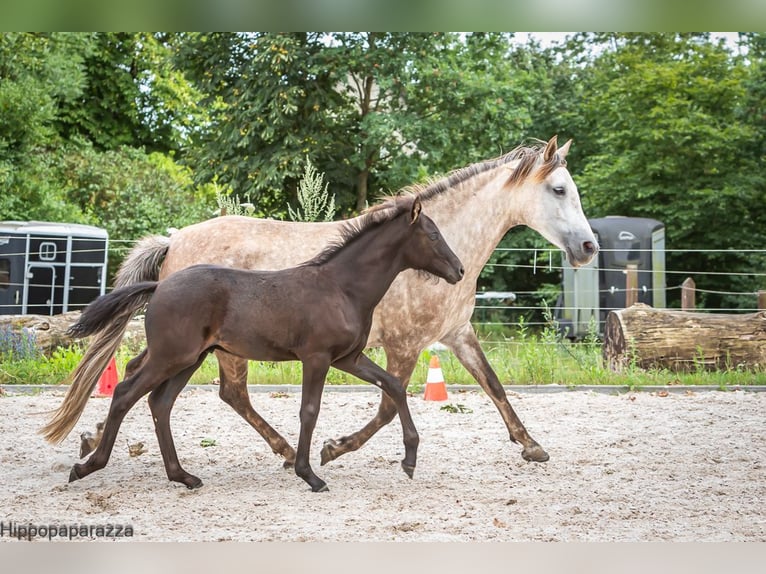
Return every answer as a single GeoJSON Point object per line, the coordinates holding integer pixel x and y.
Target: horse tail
{"type": "Point", "coordinates": [141, 265]}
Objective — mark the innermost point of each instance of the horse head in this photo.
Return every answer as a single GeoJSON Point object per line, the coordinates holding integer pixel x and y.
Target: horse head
{"type": "Point", "coordinates": [552, 203]}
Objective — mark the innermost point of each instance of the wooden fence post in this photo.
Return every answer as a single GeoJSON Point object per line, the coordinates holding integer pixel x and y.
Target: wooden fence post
{"type": "Point", "coordinates": [687, 294]}
{"type": "Point", "coordinates": [631, 285]}
{"type": "Point", "coordinates": [762, 300]}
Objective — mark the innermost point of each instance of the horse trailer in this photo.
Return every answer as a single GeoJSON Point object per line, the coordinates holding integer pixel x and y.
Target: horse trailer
{"type": "Point", "coordinates": [50, 268]}
{"type": "Point", "coordinates": [592, 291]}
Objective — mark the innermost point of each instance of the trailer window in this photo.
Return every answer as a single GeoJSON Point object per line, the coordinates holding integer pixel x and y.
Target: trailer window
{"type": "Point", "coordinates": [5, 274]}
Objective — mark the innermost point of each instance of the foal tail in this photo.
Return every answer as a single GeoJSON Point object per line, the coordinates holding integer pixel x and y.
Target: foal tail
{"type": "Point", "coordinates": [118, 304]}
{"type": "Point", "coordinates": [140, 266]}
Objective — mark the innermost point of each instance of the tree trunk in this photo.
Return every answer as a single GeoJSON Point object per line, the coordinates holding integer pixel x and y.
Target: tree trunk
{"type": "Point", "coordinates": [683, 341]}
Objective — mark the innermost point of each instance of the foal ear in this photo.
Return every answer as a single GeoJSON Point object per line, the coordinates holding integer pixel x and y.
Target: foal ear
{"type": "Point", "coordinates": [416, 209]}
{"type": "Point", "coordinates": [550, 149]}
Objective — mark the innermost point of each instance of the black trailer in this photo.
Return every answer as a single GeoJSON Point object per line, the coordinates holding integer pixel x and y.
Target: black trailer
{"type": "Point", "coordinates": [592, 291]}
{"type": "Point", "coordinates": [50, 268]}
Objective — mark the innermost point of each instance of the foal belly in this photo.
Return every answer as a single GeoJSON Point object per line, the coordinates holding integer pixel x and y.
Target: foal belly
{"type": "Point", "coordinates": [257, 348]}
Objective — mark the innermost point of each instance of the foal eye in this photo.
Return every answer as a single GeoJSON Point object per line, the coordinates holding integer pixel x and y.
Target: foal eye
{"type": "Point", "coordinates": [560, 191]}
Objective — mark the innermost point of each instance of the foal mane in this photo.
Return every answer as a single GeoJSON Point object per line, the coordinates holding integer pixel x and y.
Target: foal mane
{"type": "Point", "coordinates": [374, 216]}
{"type": "Point", "coordinates": [527, 157]}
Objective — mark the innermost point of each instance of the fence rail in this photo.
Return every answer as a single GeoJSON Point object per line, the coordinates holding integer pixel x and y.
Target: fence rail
{"type": "Point", "coordinates": [491, 312]}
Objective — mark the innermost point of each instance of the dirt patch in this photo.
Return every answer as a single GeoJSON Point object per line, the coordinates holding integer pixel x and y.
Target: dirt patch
{"type": "Point", "coordinates": [632, 467]}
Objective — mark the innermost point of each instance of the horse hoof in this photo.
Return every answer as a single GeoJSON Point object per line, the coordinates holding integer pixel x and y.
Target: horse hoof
{"type": "Point", "coordinates": [327, 451]}
{"type": "Point", "coordinates": [73, 474]}
{"type": "Point", "coordinates": [320, 488]}
{"type": "Point", "coordinates": [534, 453]}
{"type": "Point", "coordinates": [410, 470]}
{"type": "Point", "coordinates": [288, 464]}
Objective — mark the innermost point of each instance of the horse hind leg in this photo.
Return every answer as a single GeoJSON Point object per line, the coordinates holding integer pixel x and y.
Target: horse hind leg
{"type": "Point", "coordinates": [126, 394]}
{"type": "Point", "coordinates": [233, 391]}
{"type": "Point", "coordinates": [401, 366]}
{"type": "Point", "coordinates": [161, 402]}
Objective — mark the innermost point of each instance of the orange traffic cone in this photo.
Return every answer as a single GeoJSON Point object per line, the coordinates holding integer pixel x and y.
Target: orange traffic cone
{"type": "Point", "coordinates": [435, 388]}
{"type": "Point", "coordinates": [108, 380]}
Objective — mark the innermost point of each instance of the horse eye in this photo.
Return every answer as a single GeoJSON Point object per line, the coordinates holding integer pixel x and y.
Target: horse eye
{"type": "Point", "coordinates": [433, 236]}
{"type": "Point", "coordinates": [560, 191]}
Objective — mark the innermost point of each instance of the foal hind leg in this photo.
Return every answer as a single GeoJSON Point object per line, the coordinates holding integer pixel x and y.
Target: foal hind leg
{"type": "Point", "coordinates": [126, 394]}
{"type": "Point", "coordinates": [233, 391]}
{"type": "Point", "coordinates": [368, 371]}
{"type": "Point", "coordinates": [400, 364]}
{"type": "Point", "coordinates": [89, 441]}
{"type": "Point", "coordinates": [464, 343]}
{"type": "Point", "coordinates": [161, 402]}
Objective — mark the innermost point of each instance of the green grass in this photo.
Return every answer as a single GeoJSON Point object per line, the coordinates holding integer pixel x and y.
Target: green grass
{"type": "Point", "coordinates": [519, 357]}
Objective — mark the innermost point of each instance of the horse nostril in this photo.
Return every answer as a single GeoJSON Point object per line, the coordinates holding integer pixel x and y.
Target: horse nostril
{"type": "Point", "coordinates": [589, 247]}
{"type": "Point", "coordinates": [461, 271]}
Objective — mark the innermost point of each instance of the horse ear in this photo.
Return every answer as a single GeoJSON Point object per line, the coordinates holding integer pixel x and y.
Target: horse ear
{"type": "Point", "coordinates": [564, 150]}
{"type": "Point", "coordinates": [416, 209]}
{"type": "Point", "coordinates": [550, 149]}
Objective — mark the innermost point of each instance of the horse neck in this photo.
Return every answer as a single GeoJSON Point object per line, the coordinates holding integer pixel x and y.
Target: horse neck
{"type": "Point", "coordinates": [474, 215]}
{"type": "Point", "coordinates": [365, 268]}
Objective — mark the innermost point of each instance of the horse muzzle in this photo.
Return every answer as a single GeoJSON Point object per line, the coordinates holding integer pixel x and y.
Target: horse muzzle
{"type": "Point", "coordinates": [583, 254]}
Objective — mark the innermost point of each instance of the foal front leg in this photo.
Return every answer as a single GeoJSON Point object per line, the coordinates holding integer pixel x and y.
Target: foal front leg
{"type": "Point", "coordinates": [400, 363]}
{"type": "Point", "coordinates": [363, 368]}
{"type": "Point", "coordinates": [314, 373]}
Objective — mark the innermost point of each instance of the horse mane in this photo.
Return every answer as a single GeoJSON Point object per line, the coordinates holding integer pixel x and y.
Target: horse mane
{"type": "Point", "coordinates": [374, 216]}
{"type": "Point", "coordinates": [526, 155]}
{"type": "Point", "coordinates": [392, 206]}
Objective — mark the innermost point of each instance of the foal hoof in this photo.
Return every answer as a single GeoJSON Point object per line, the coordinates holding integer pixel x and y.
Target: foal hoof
{"type": "Point", "coordinates": [321, 488]}
{"type": "Point", "coordinates": [329, 451]}
{"type": "Point", "coordinates": [73, 474]}
{"type": "Point", "coordinates": [192, 483]}
{"type": "Point", "coordinates": [534, 453]}
{"type": "Point", "coordinates": [410, 470]}
{"type": "Point", "coordinates": [288, 464]}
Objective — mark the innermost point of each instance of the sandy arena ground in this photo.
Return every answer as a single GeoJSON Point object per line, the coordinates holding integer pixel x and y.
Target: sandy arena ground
{"type": "Point", "coordinates": [631, 467]}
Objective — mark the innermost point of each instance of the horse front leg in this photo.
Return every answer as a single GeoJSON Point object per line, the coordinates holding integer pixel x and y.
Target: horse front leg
{"type": "Point", "coordinates": [161, 402]}
{"type": "Point", "coordinates": [314, 374]}
{"type": "Point", "coordinates": [367, 370]}
{"type": "Point", "coordinates": [466, 347]}
{"type": "Point", "coordinates": [400, 364]}
{"type": "Point", "coordinates": [233, 391]}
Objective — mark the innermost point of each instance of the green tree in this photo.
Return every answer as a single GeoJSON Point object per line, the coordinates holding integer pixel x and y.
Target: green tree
{"type": "Point", "coordinates": [664, 113]}
{"type": "Point", "coordinates": [133, 95]}
{"type": "Point", "coordinates": [36, 72]}
{"type": "Point", "coordinates": [376, 110]}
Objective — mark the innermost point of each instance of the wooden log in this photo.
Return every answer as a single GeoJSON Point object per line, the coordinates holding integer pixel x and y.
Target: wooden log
{"type": "Point", "coordinates": [683, 341]}
{"type": "Point", "coordinates": [50, 330]}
